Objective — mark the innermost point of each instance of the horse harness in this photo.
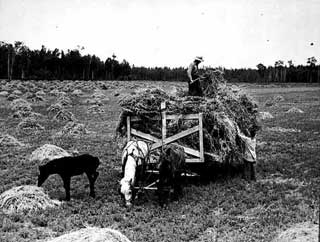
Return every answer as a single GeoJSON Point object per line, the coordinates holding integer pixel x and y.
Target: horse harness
{"type": "Point", "coordinates": [138, 157]}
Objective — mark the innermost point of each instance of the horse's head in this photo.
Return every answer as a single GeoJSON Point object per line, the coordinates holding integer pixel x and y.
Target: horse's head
{"type": "Point", "coordinates": [126, 190]}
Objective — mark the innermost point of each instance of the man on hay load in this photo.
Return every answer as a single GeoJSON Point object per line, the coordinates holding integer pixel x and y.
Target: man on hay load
{"type": "Point", "coordinates": [194, 77]}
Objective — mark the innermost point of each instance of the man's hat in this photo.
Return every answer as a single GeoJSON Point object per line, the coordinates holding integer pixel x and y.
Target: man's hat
{"type": "Point", "coordinates": [199, 58]}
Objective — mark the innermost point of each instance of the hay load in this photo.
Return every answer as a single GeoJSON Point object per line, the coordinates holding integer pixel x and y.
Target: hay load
{"type": "Point", "coordinates": [224, 108]}
{"type": "Point", "coordinates": [46, 153]}
{"type": "Point", "coordinates": [25, 199]}
{"type": "Point", "coordinates": [92, 234]}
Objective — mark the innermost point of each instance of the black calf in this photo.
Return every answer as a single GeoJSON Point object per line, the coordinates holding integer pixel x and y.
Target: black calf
{"type": "Point", "coordinates": [172, 165]}
{"type": "Point", "coordinates": [67, 167]}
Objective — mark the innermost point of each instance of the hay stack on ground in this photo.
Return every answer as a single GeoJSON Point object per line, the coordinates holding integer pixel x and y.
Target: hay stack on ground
{"type": "Point", "coordinates": [77, 92]}
{"type": "Point", "coordinates": [64, 100]}
{"type": "Point", "coordinates": [95, 109]}
{"type": "Point", "coordinates": [92, 234]}
{"type": "Point", "coordinates": [20, 105]}
{"type": "Point", "coordinates": [302, 232]}
{"type": "Point", "coordinates": [64, 115]}
{"type": "Point", "coordinates": [73, 129]}
{"type": "Point", "coordinates": [25, 199]}
{"type": "Point", "coordinates": [34, 97]}
{"type": "Point", "coordinates": [94, 101]}
{"type": "Point", "coordinates": [265, 115]}
{"type": "Point", "coordinates": [4, 94]}
{"type": "Point", "coordinates": [27, 114]}
{"type": "Point", "coordinates": [274, 100]}
{"type": "Point", "coordinates": [98, 95]}
{"type": "Point", "coordinates": [223, 108]}
{"type": "Point", "coordinates": [29, 125]}
{"type": "Point", "coordinates": [56, 92]}
{"type": "Point", "coordinates": [294, 110]}
{"type": "Point", "coordinates": [283, 130]}
{"type": "Point", "coordinates": [12, 97]}
{"type": "Point", "coordinates": [54, 108]}
{"type": "Point", "coordinates": [46, 153]}
{"type": "Point", "coordinates": [9, 141]}
{"type": "Point", "coordinates": [17, 92]}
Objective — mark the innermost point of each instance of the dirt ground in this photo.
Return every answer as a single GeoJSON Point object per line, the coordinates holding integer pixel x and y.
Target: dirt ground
{"type": "Point", "coordinates": [225, 209]}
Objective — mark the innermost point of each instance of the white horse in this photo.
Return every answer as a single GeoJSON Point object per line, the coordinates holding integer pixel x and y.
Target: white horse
{"type": "Point", "coordinates": [134, 156]}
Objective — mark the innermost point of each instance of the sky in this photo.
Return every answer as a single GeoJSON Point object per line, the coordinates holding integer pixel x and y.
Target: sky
{"type": "Point", "coordinates": [231, 34]}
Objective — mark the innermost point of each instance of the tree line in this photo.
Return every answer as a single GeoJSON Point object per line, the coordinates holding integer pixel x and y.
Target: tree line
{"type": "Point", "coordinates": [17, 61]}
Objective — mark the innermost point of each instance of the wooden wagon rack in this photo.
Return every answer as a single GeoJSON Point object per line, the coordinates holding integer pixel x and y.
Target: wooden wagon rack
{"type": "Point", "coordinates": [198, 155]}
{"type": "Point", "coordinates": [194, 156]}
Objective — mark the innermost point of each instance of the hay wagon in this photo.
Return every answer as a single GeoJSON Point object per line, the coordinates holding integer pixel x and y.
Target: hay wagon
{"type": "Point", "coordinates": [193, 155]}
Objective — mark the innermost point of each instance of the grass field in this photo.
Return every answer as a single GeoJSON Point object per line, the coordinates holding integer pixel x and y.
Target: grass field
{"type": "Point", "coordinates": [286, 192]}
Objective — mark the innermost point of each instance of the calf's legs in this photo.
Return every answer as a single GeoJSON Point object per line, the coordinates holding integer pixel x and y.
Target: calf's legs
{"type": "Point", "coordinates": [92, 177]}
{"type": "Point", "coordinates": [66, 184]}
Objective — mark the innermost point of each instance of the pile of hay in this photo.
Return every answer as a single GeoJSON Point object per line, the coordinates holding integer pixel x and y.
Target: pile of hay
{"type": "Point", "coordinates": [94, 101]}
{"type": "Point", "coordinates": [64, 100]}
{"type": "Point", "coordinates": [26, 114]}
{"type": "Point", "coordinates": [92, 234]}
{"type": "Point", "coordinates": [64, 115]}
{"type": "Point", "coordinates": [17, 92]}
{"type": "Point", "coordinates": [20, 105]}
{"type": "Point", "coordinates": [46, 153]}
{"type": "Point", "coordinates": [95, 109]}
{"type": "Point", "coordinates": [29, 125]}
{"type": "Point", "coordinates": [56, 92]}
{"type": "Point", "coordinates": [224, 108]}
{"type": "Point", "coordinates": [265, 115]}
{"type": "Point", "coordinates": [25, 199]}
{"type": "Point", "coordinates": [303, 232]}
{"type": "Point", "coordinates": [98, 95]}
{"type": "Point", "coordinates": [274, 100]}
{"type": "Point", "coordinates": [73, 129]}
{"type": "Point", "coordinates": [12, 97]}
{"type": "Point", "coordinates": [9, 141]}
{"type": "Point", "coordinates": [34, 97]}
{"type": "Point", "coordinates": [283, 130]}
{"type": "Point", "coordinates": [4, 94]}
{"type": "Point", "coordinates": [54, 108]}
{"type": "Point", "coordinates": [294, 110]}
{"type": "Point", "coordinates": [77, 92]}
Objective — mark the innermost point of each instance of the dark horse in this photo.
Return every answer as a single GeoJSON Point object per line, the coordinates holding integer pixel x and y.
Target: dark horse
{"type": "Point", "coordinates": [171, 166]}
{"type": "Point", "coordinates": [67, 167]}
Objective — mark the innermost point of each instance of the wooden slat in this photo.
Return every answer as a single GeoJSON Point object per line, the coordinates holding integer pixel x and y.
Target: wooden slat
{"type": "Point", "coordinates": [190, 151]}
{"type": "Point", "coordinates": [214, 156]}
{"type": "Point", "coordinates": [145, 136]}
{"type": "Point", "coordinates": [128, 129]}
{"type": "Point", "coordinates": [164, 120]}
{"type": "Point", "coordinates": [175, 137]}
{"type": "Point", "coordinates": [195, 160]}
{"type": "Point", "coordinates": [201, 137]}
{"type": "Point", "coordinates": [182, 116]}
{"type": "Point", "coordinates": [135, 118]}
{"type": "Point", "coordinates": [169, 117]}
